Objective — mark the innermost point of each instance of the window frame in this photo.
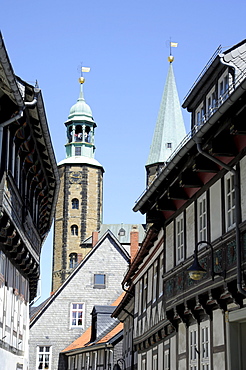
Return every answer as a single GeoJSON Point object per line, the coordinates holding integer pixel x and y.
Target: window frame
{"type": "Point", "coordinates": [77, 310]}
{"type": "Point", "coordinates": [75, 203]}
{"type": "Point", "coordinates": [99, 285]}
{"type": "Point", "coordinates": [202, 222]}
{"type": "Point", "coordinates": [205, 360]}
{"type": "Point", "coordinates": [230, 201]}
{"type": "Point", "coordinates": [180, 238]}
{"type": "Point", "coordinates": [193, 350]}
{"type": "Point", "coordinates": [74, 230]}
{"type": "Point", "coordinates": [44, 353]}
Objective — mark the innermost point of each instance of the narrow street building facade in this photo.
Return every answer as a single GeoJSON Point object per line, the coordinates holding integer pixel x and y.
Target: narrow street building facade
{"type": "Point", "coordinates": [28, 191]}
{"type": "Point", "coordinates": [188, 277]}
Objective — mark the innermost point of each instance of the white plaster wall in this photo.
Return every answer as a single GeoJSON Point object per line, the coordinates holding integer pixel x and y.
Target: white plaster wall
{"type": "Point", "coordinates": [218, 328]}
{"type": "Point", "coordinates": [160, 356]}
{"type": "Point", "coordinates": [190, 230]}
{"type": "Point", "coordinates": [149, 360]}
{"type": "Point", "coordinates": [182, 364]}
{"type": "Point", "coordinates": [9, 361]}
{"type": "Point", "coordinates": [219, 361]}
{"type": "Point", "coordinates": [169, 247]}
{"type": "Point", "coordinates": [243, 187]}
{"type": "Point", "coordinates": [139, 361]}
{"type": "Point", "coordinates": [182, 338]}
{"type": "Point", "coordinates": [215, 210]}
{"type": "Point", "coordinates": [173, 355]}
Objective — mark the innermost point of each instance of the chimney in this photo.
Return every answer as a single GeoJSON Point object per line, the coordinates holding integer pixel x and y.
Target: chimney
{"type": "Point", "coordinates": [94, 238]}
{"type": "Point", "coordinates": [133, 242]}
{"type": "Point", "coordinates": [80, 257]}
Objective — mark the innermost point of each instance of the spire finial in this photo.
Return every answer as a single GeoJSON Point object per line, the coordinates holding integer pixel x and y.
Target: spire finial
{"type": "Point", "coordinates": [172, 45]}
{"type": "Point", "coordinates": [83, 69]}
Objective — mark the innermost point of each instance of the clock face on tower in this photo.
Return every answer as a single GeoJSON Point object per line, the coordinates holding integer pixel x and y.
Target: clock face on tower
{"type": "Point", "coordinates": [75, 177]}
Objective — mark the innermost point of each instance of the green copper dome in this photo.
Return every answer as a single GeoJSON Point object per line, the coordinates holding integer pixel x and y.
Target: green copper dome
{"type": "Point", "coordinates": [81, 110]}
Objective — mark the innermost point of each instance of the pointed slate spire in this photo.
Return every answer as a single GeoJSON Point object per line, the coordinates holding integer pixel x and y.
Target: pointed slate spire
{"type": "Point", "coordinates": [170, 128]}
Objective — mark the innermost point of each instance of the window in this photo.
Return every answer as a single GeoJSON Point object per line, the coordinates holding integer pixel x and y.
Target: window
{"type": "Point", "coordinates": [99, 281]}
{"type": "Point", "coordinates": [155, 366]}
{"type": "Point", "coordinates": [74, 230]}
{"type": "Point", "coordinates": [205, 347]}
{"type": "Point", "coordinates": [199, 116]}
{"type": "Point", "coordinates": [77, 310]}
{"type": "Point", "coordinates": [143, 364]}
{"type": "Point", "coordinates": [75, 203]}
{"type": "Point", "coordinates": [180, 239]}
{"type": "Point", "coordinates": [155, 279]}
{"type": "Point", "coordinates": [77, 150]}
{"type": "Point", "coordinates": [44, 358]}
{"type": "Point", "coordinates": [140, 296]}
{"type": "Point", "coordinates": [167, 359]}
{"type": "Point", "coordinates": [202, 218]}
{"type": "Point", "coordinates": [193, 352]}
{"type": "Point", "coordinates": [161, 260]}
{"type": "Point", "coordinates": [169, 145]}
{"type": "Point", "coordinates": [145, 287]}
{"type": "Point", "coordinates": [223, 86]}
{"type": "Point", "coordinates": [230, 200]}
{"type": "Point", "coordinates": [73, 260]}
{"type": "Point", "coordinates": [211, 102]}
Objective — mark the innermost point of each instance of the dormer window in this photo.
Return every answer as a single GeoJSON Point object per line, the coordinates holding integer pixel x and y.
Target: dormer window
{"type": "Point", "coordinates": [122, 232]}
{"type": "Point", "coordinates": [199, 116]}
{"type": "Point", "coordinates": [223, 87]}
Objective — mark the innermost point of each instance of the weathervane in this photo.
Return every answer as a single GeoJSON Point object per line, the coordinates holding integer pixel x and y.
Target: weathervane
{"type": "Point", "coordinates": [171, 45]}
{"type": "Point", "coordinates": [81, 70]}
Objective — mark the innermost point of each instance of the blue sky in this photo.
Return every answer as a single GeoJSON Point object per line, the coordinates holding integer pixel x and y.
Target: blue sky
{"type": "Point", "coordinates": [126, 45]}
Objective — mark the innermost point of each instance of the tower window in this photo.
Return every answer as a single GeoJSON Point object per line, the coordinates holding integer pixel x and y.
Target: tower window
{"type": "Point", "coordinates": [99, 281]}
{"type": "Point", "coordinates": [73, 260]}
{"type": "Point", "coordinates": [122, 232]}
{"type": "Point", "coordinates": [169, 145]}
{"type": "Point", "coordinates": [74, 230]}
{"type": "Point", "coordinates": [75, 203]}
{"type": "Point", "coordinates": [77, 150]}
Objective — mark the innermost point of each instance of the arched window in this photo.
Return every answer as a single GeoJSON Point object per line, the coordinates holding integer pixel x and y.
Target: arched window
{"type": "Point", "coordinates": [75, 203]}
{"type": "Point", "coordinates": [74, 230]}
{"type": "Point", "coordinates": [73, 260]}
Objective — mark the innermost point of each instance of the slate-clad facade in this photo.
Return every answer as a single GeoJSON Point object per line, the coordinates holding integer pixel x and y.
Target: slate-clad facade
{"type": "Point", "coordinates": [28, 191]}
{"type": "Point", "coordinates": [67, 314]}
{"type": "Point", "coordinates": [197, 202]}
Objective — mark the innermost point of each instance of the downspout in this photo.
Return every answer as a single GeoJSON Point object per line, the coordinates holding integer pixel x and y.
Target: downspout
{"type": "Point", "coordinates": [16, 117]}
{"type": "Point", "coordinates": [237, 208]}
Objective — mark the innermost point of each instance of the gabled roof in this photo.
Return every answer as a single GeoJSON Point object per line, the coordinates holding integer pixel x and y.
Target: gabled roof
{"type": "Point", "coordinates": [110, 333]}
{"type": "Point", "coordinates": [49, 301]}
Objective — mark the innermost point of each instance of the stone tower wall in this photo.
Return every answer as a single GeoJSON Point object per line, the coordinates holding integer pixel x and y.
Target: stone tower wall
{"type": "Point", "coordinates": [87, 188]}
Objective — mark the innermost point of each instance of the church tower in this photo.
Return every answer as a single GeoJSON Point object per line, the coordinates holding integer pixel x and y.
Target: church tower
{"type": "Point", "coordinates": [169, 129]}
{"type": "Point", "coordinates": [79, 206]}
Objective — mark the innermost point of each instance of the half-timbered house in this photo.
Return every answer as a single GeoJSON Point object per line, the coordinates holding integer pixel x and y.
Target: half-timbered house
{"type": "Point", "coordinates": [188, 277]}
{"type": "Point", "coordinates": [28, 191]}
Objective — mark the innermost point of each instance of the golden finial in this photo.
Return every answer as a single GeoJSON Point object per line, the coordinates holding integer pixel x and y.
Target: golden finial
{"type": "Point", "coordinates": [81, 80]}
{"type": "Point", "coordinates": [83, 69]}
{"type": "Point", "coordinates": [172, 45]}
{"type": "Point", "coordinates": [170, 58]}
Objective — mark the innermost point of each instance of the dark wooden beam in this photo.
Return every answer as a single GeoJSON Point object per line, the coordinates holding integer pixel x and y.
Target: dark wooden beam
{"type": "Point", "coordinates": [189, 179]}
{"type": "Point", "coordinates": [177, 193]}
